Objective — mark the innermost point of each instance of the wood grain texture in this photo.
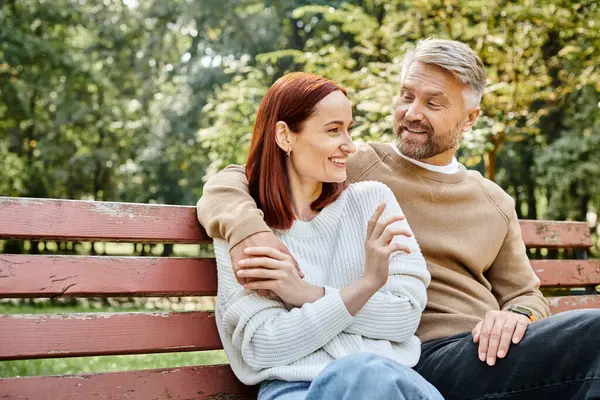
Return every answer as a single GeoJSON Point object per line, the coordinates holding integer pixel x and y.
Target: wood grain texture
{"type": "Point", "coordinates": [567, 303]}
{"type": "Point", "coordinates": [29, 336]}
{"type": "Point", "coordinates": [567, 272]}
{"type": "Point", "coordinates": [38, 219]}
{"type": "Point", "coordinates": [86, 276]}
{"type": "Point", "coordinates": [556, 234]}
{"type": "Point", "coordinates": [216, 382]}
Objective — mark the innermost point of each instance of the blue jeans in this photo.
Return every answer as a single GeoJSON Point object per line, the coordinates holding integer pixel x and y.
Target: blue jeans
{"type": "Point", "coordinates": [355, 377]}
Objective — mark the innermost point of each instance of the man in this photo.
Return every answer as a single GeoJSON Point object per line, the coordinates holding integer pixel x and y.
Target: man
{"type": "Point", "coordinates": [478, 332]}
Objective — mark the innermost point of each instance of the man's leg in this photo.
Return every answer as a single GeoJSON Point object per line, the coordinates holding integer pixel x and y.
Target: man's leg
{"type": "Point", "coordinates": [368, 376]}
{"type": "Point", "coordinates": [559, 358]}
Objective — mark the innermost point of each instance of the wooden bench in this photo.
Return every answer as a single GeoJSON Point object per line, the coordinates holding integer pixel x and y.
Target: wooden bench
{"type": "Point", "coordinates": [28, 336]}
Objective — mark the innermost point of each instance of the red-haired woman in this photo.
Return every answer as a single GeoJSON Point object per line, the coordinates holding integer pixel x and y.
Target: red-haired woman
{"type": "Point", "coordinates": [346, 329]}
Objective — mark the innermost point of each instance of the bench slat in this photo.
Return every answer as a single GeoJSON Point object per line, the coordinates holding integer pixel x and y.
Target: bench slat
{"type": "Point", "coordinates": [25, 218]}
{"type": "Point", "coordinates": [567, 272]}
{"type": "Point", "coordinates": [556, 234]}
{"type": "Point", "coordinates": [133, 222]}
{"type": "Point", "coordinates": [567, 303]}
{"type": "Point", "coordinates": [28, 336]}
{"type": "Point", "coordinates": [83, 276]}
{"type": "Point", "coordinates": [205, 383]}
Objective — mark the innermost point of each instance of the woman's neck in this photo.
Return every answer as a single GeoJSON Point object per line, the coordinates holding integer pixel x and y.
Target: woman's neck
{"type": "Point", "coordinates": [303, 193]}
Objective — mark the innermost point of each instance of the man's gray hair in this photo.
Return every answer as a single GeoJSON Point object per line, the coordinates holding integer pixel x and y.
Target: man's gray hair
{"type": "Point", "coordinates": [455, 57]}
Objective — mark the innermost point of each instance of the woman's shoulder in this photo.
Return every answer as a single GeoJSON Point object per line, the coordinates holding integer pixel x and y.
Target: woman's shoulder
{"type": "Point", "coordinates": [366, 190]}
{"type": "Point", "coordinates": [366, 196]}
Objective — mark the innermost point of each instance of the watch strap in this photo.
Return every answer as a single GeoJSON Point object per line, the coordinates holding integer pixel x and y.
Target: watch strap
{"type": "Point", "coordinates": [523, 311]}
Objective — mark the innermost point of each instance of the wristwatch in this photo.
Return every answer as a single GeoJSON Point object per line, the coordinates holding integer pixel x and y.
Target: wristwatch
{"type": "Point", "coordinates": [523, 311]}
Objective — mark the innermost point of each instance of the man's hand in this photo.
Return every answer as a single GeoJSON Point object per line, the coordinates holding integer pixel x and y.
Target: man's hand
{"type": "Point", "coordinates": [496, 332]}
{"type": "Point", "coordinates": [261, 239]}
{"type": "Point", "coordinates": [276, 272]}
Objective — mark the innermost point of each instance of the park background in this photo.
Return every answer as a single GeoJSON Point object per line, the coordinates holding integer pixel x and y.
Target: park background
{"type": "Point", "coordinates": [143, 100]}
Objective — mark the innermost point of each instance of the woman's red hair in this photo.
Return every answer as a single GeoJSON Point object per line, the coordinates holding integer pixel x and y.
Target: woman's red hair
{"type": "Point", "coordinates": [291, 99]}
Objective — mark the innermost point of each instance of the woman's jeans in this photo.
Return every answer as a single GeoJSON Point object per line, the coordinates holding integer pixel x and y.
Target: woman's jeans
{"type": "Point", "coordinates": [359, 376]}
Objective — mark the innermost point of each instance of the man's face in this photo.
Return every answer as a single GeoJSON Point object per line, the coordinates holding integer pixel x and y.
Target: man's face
{"type": "Point", "coordinates": [430, 114]}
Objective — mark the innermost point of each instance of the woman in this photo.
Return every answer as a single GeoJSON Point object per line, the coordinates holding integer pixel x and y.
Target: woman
{"type": "Point", "coordinates": [347, 329]}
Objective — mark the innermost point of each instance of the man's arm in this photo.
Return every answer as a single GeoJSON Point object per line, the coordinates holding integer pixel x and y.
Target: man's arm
{"type": "Point", "coordinates": [264, 331]}
{"type": "Point", "coordinates": [226, 210]}
{"type": "Point", "coordinates": [513, 280]}
{"type": "Point", "coordinates": [513, 283]}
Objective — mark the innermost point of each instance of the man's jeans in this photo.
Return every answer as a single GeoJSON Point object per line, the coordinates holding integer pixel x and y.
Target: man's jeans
{"type": "Point", "coordinates": [360, 376]}
{"type": "Point", "coordinates": [559, 358]}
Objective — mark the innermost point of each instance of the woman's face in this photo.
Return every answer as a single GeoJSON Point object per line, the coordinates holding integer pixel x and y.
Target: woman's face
{"type": "Point", "coordinates": [321, 148]}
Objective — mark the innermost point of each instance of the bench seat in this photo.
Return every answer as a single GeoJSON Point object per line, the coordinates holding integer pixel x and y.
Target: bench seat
{"type": "Point", "coordinates": [34, 336]}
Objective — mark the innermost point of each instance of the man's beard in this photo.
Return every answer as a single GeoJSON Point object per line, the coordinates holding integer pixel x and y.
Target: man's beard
{"type": "Point", "coordinates": [434, 145]}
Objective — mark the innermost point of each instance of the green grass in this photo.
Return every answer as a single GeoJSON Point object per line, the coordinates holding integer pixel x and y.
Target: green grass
{"type": "Point", "coordinates": [76, 365]}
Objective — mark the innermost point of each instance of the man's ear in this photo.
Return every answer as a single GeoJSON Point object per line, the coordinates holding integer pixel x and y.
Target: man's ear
{"type": "Point", "coordinates": [471, 119]}
{"type": "Point", "coordinates": [283, 136]}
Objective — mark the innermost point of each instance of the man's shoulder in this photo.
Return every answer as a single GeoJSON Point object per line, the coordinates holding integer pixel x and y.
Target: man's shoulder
{"type": "Point", "coordinates": [367, 156]}
{"type": "Point", "coordinates": [493, 191]}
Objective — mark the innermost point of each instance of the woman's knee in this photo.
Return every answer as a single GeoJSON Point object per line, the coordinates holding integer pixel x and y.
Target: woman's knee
{"type": "Point", "coordinates": [379, 377]}
{"type": "Point", "coordinates": [358, 362]}
{"type": "Point", "coordinates": [365, 366]}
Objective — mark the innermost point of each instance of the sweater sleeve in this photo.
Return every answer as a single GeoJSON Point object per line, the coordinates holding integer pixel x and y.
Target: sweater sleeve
{"type": "Point", "coordinates": [264, 331]}
{"type": "Point", "coordinates": [226, 210]}
{"type": "Point", "coordinates": [394, 312]}
{"type": "Point", "coordinates": [513, 280]}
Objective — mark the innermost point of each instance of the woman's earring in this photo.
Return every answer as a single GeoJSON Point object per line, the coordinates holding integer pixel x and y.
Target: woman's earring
{"type": "Point", "coordinates": [288, 153]}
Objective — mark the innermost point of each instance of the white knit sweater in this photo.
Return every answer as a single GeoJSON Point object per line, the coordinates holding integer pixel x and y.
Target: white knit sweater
{"type": "Point", "coordinates": [265, 340]}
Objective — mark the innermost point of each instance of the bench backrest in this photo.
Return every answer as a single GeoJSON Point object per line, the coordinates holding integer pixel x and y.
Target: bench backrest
{"type": "Point", "coordinates": [27, 336]}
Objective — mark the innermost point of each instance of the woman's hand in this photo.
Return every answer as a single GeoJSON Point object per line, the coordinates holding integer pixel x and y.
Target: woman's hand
{"type": "Point", "coordinates": [379, 246]}
{"type": "Point", "coordinates": [270, 269]}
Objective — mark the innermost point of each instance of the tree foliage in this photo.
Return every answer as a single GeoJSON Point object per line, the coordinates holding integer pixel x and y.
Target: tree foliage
{"type": "Point", "coordinates": [141, 100]}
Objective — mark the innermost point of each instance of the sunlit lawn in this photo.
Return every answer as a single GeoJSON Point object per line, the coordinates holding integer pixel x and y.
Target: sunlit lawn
{"type": "Point", "coordinates": [76, 365]}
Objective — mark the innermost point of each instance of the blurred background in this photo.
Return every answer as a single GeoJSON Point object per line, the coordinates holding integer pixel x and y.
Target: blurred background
{"type": "Point", "coordinates": [142, 100]}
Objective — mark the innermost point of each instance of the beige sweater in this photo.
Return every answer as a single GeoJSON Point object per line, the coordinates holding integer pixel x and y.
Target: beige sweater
{"type": "Point", "coordinates": [466, 226]}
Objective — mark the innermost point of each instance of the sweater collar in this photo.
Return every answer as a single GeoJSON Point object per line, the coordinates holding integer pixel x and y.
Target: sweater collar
{"type": "Point", "coordinates": [451, 168]}
{"type": "Point", "coordinates": [325, 223]}
{"type": "Point", "coordinates": [387, 151]}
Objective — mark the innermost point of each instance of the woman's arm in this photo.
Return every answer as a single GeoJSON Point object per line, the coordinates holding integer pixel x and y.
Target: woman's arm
{"type": "Point", "coordinates": [394, 312]}
{"type": "Point", "coordinates": [269, 335]}
{"type": "Point", "coordinates": [264, 331]}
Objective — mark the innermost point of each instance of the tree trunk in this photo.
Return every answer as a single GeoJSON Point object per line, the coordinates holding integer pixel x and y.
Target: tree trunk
{"type": "Point", "coordinates": [490, 164]}
{"type": "Point", "coordinates": [167, 250]}
{"type": "Point", "coordinates": [518, 202]}
{"type": "Point", "coordinates": [530, 180]}
{"type": "Point", "coordinates": [531, 201]}
{"type": "Point", "coordinates": [584, 201]}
